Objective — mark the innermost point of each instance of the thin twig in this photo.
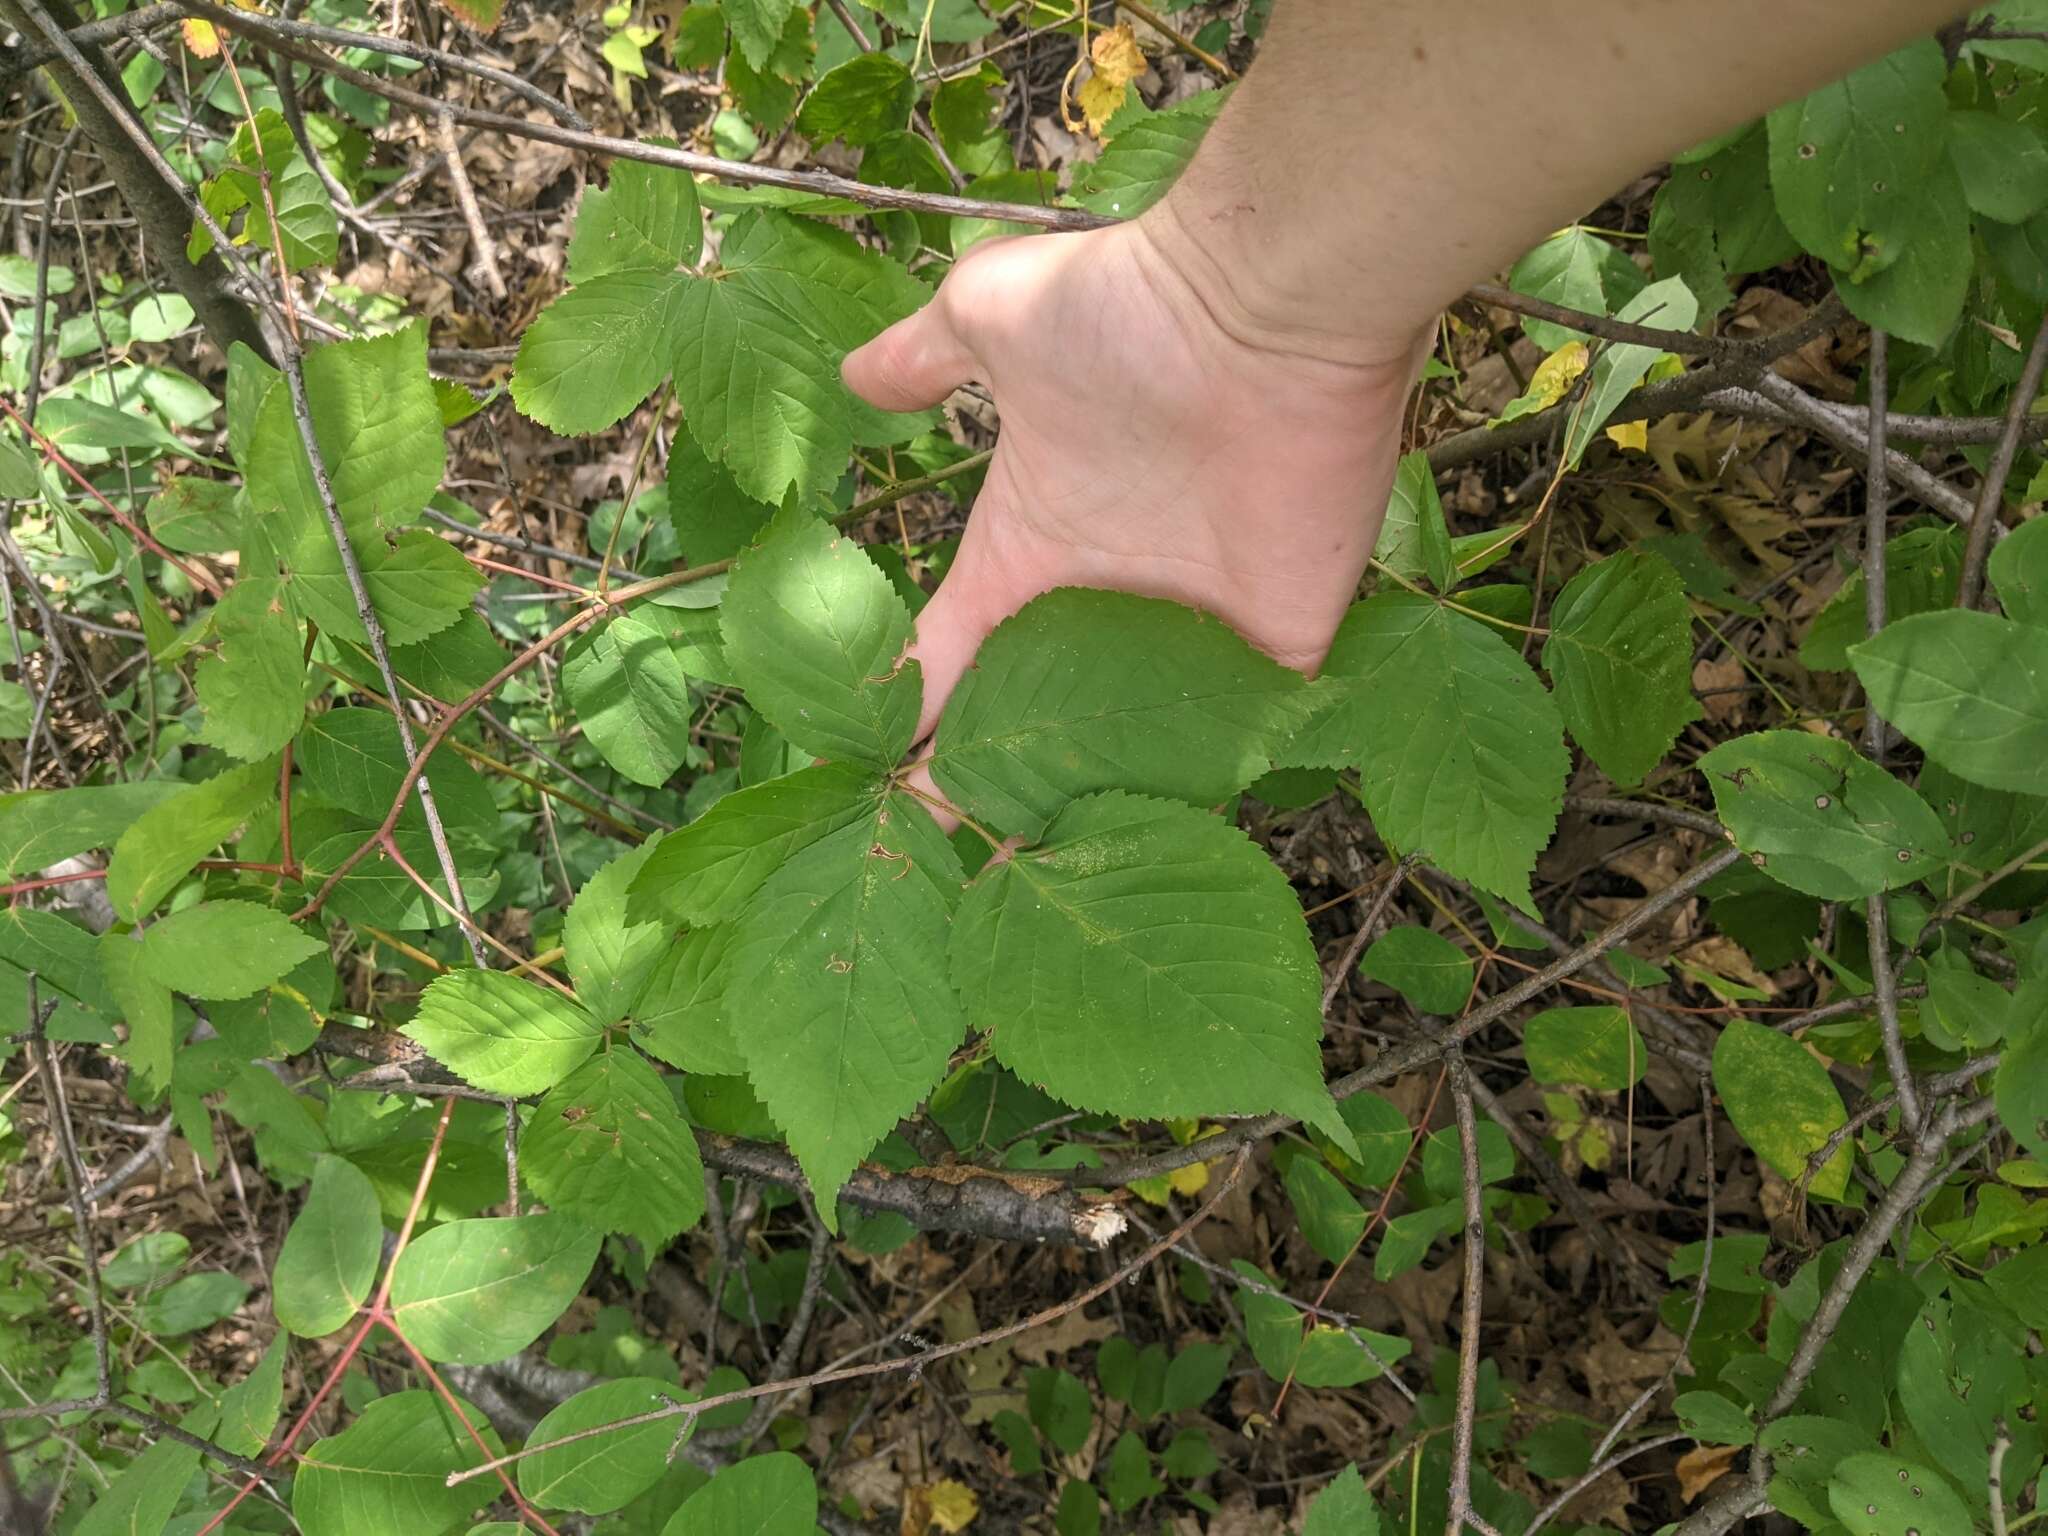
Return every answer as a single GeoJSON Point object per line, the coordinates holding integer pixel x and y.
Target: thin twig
{"type": "Point", "coordinates": [1991, 495]}
{"type": "Point", "coordinates": [484, 262]}
{"type": "Point", "coordinates": [1467, 1408]}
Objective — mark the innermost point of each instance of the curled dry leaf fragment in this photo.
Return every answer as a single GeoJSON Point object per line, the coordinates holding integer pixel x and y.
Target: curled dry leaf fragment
{"type": "Point", "coordinates": [1117, 61]}
{"type": "Point", "coordinates": [1700, 1467]}
{"type": "Point", "coordinates": [202, 38]}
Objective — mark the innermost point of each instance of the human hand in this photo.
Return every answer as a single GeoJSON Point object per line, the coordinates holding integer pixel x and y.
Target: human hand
{"type": "Point", "coordinates": [1150, 442]}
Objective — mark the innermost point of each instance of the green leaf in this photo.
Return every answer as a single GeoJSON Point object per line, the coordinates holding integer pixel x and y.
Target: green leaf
{"type": "Point", "coordinates": [1881, 1494]}
{"type": "Point", "coordinates": [476, 1292]}
{"type": "Point", "coordinates": [146, 1006]}
{"type": "Point", "coordinates": [418, 583]}
{"type": "Point", "coordinates": [836, 986]}
{"type": "Point", "coordinates": [224, 949]}
{"type": "Point", "coordinates": [2021, 1283]}
{"type": "Point", "coordinates": [1620, 655]}
{"type": "Point", "coordinates": [1848, 161]}
{"type": "Point", "coordinates": [1061, 1407]}
{"type": "Point", "coordinates": [816, 635]}
{"type": "Point", "coordinates": [645, 219]}
{"type": "Point", "coordinates": [1962, 1380]}
{"type": "Point", "coordinates": [608, 1471]}
{"type": "Point", "coordinates": [1142, 161]}
{"type": "Point", "coordinates": [706, 871]}
{"type": "Point", "coordinates": [1079, 1512]}
{"type": "Point", "coordinates": [1712, 1419]}
{"type": "Point", "coordinates": [146, 1260]}
{"type": "Point", "coordinates": [1782, 1101]}
{"type": "Point", "coordinates": [2003, 164]}
{"type": "Point", "coordinates": [633, 698]}
{"type": "Point", "coordinates": [758, 392]}
{"type": "Point", "coordinates": [195, 1302]}
{"type": "Point", "coordinates": [379, 430]}
{"type": "Point", "coordinates": [1595, 1048]}
{"type": "Point", "coordinates": [1920, 296]}
{"type": "Point", "coordinates": [1426, 968]}
{"type": "Point", "coordinates": [757, 26]}
{"type": "Point", "coordinates": [1820, 817]}
{"type": "Point", "coordinates": [41, 827]}
{"type": "Point", "coordinates": [713, 518]}
{"type": "Point", "coordinates": [2021, 1087]}
{"type": "Point", "coordinates": [609, 958]}
{"type": "Point", "coordinates": [869, 95]}
{"type": "Point", "coordinates": [1343, 1508]}
{"type": "Point", "coordinates": [160, 846]}
{"type": "Point", "coordinates": [597, 351]}
{"type": "Point", "coordinates": [2019, 572]}
{"type": "Point", "coordinates": [680, 1014]}
{"type": "Point", "coordinates": [1194, 1376]}
{"type": "Point", "coordinates": [1580, 271]}
{"type": "Point", "coordinates": [501, 1034]}
{"type": "Point", "coordinates": [249, 1409]}
{"type": "Point", "coordinates": [1331, 1219]}
{"type": "Point", "coordinates": [772, 1495]}
{"type": "Point", "coordinates": [1414, 541]}
{"type": "Point", "coordinates": [141, 1501]}
{"type": "Point", "coordinates": [1459, 749]}
{"type": "Point", "coordinates": [1922, 567]}
{"type": "Point", "coordinates": [1130, 1481]}
{"type": "Point", "coordinates": [1971, 688]}
{"type": "Point", "coordinates": [1084, 691]}
{"type": "Point", "coordinates": [1668, 305]}
{"type": "Point", "coordinates": [609, 1147]}
{"type": "Point", "coordinates": [1320, 1356]}
{"type": "Point", "coordinates": [1383, 1136]}
{"type": "Point", "coordinates": [1147, 960]}
{"type": "Point", "coordinates": [328, 1263]}
{"type": "Point", "coordinates": [388, 1471]}
{"type": "Point", "coordinates": [253, 688]}
{"type": "Point", "coordinates": [353, 758]}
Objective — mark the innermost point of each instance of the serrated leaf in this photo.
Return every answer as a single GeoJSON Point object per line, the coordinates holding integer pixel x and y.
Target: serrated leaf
{"type": "Point", "coordinates": [1084, 691]}
{"type": "Point", "coordinates": [597, 351]}
{"type": "Point", "coordinates": [633, 698]}
{"type": "Point", "coordinates": [250, 1408]}
{"type": "Point", "coordinates": [501, 1034]}
{"type": "Point", "coordinates": [418, 583]}
{"type": "Point", "coordinates": [1620, 658]}
{"type": "Point", "coordinates": [145, 1005]}
{"type": "Point", "coordinates": [1848, 160]}
{"type": "Point", "coordinates": [757, 391]}
{"type": "Point", "coordinates": [1426, 968]}
{"type": "Point", "coordinates": [1147, 961]}
{"type": "Point", "coordinates": [388, 1471]}
{"type": "Point", "coordinates": [757, 26]}
{"type": "Point", "coordinates": [160, 846]}
{"type": "Point", "coordinates": [644, 219]}
{"type": "Point", "coordinates": [869, 95]}
{"type": "Point", "coordinates": [1142, 161]}
{"type": "Point", "coordinates": [1459, 749]}
{"type": "Point", "coordinates": [609, 957]}
{"type": "Point", "coordinates": [1343, 1508]}
{"type": "Point", "coordinates": [1820, 817]}
{"type": "Point", "coordinates": [713, 518]}
{"type": "Point", "coordinates": [253, 688]}
{"type": "Point", "coordinates": [142, 1499]}
{"type": "Point", "coordinates": [39, 827]}
{"type": "Point", "coordinates": [679, 1015]}
{"type": "Point", "coordinates": [353, 758]}
{"type": "Point", "coordinates": [609, 1147]}
{"type": "Point", "coordinates": [379, 430]}
{"type": "Point", "coordinates": [1782, 1102]}
{"type": "Point", "coordinates": [477, 1292]}
{"type": "Point", "coordinates": [1971, 688]}
{"type": "Point", "coordinates": [816, 635]}
{"type": "Point", "coordinates": [1595, 1047]}
{"type": "Point", "coordinates": [836, 986]}
{"type": "Point", "coordinates": [608, 1471]}
{"type": "Point", "coordinates": [224, 949]}
{"type": "Point", "coordinates": [1414, 527]}
{"type": "Point", "coordinates": [328, 1263]}
{"type": "Point", "coordinates": [706, 871]}
{"type": "Point", "coordinates": [772, 1495]}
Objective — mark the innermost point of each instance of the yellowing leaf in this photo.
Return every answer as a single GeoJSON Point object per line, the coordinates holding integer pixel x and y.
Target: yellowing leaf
{"type": "Point", "coordinates": [1118, 60]}
{"type": "Point", "coordinates": [948, 1506]}
{"type": "Point", "coordinates": [1554, 375]}
{"type": "Point", "coordinates": [1099, 101]}
{"type": "Point", "coordinates": [201, 37]}
{"type": "Point", "coordinates": [1630, 434]}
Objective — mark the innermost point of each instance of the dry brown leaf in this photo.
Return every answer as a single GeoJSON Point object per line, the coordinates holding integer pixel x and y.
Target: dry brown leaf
{"type": "Point", "coordinates": [1070, 1332]}
{"type": "Point", "coordinates": [1116, 55]}
{"type": "Point", "coordinates": [1700, 1467]}
{"type": "Point", "coordinates": [946, 1506]}
{"type": "Point", "coordinates": [1719, 672]}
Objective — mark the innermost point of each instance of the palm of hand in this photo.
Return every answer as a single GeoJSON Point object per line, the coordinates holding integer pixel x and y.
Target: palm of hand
{"type": "Point", "coordinates": [1142, 449]}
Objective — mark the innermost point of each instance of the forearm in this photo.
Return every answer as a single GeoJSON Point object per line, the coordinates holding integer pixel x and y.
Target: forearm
{"type": "Point", "coordinates": [1383, 155]}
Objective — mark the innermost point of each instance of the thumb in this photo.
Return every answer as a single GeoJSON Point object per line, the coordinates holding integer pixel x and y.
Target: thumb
{"type": "Point", "coordinates": [915, 363]}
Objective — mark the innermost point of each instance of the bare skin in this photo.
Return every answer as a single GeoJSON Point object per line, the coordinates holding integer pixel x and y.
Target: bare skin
{"type": "Point", "coordinates": [1205, 404]}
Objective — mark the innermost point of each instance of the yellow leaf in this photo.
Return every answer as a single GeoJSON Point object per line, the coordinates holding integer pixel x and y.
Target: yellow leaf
{"type": "Point", "coordinates": [1630, 434]}
{"type": "Point", "coordinates": [1556, 373]}
{"type": "Point", "coordinates": [202, 38]}
{"type": "Point", "coordinates": [1117, 58]}
{"type": "Point", "coordinates": [1099, 101]}
{"type": "Point", "coordinates": [950, 1506]}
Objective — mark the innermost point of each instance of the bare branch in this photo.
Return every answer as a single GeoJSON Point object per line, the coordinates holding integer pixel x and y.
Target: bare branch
{"type": "Point", "coordinates": [1467, 1409]}
{"type": "Point", "coordinates": [1991, 495]}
